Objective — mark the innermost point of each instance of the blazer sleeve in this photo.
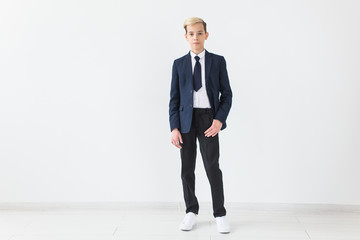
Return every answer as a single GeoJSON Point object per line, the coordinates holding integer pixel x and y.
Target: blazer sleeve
{"type": "Point", "coordinates": [226, 93]}
{"type": "Point", "coordinates": [174, 103]}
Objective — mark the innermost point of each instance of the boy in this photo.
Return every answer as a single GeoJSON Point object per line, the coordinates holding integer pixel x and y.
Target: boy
{"type": "Point", "coordinates": [196, 112]}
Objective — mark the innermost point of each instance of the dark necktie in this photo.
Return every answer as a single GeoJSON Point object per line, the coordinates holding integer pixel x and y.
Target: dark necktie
{"type": "Point", "coordinates": [197, 74]}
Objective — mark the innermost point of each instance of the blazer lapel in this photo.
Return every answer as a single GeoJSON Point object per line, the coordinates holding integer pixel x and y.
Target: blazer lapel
{"type": "Point", "coordinates": [188, 70]}
{"type": "Point", "coordinates": [208, 61]}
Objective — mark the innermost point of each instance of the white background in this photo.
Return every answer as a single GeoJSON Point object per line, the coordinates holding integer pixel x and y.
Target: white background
{"type": "Point", "coordinates": [84, 91]}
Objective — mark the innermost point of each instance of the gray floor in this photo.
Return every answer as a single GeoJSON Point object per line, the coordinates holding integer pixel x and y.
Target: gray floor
{"type": "Point", "coordinates": [160, 221]}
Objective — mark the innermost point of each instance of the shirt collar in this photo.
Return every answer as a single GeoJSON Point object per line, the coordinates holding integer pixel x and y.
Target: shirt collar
{"type": "Point", "coordinates": [202, 54]}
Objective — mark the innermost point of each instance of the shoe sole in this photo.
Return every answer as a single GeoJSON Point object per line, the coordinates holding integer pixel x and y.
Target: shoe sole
{"type": "Point", "coordinates": [186, 230]}
{"type": "Point", "coordinates": [226, 231]}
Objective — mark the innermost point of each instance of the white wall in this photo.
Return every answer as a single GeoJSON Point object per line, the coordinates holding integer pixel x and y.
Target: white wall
{"type": "Point", "coordinates": [84, 91]}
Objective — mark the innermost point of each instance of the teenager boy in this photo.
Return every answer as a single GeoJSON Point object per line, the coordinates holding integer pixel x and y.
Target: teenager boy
{"type": "Point", "coordinates": [197, 112]}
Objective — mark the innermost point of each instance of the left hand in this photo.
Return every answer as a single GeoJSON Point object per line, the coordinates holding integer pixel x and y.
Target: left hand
{"type": "Point", "coordinates": [213, 129]}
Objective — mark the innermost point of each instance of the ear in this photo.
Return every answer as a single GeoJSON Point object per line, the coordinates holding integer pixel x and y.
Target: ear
{"type": "Point", "coordinates": [206, 35]}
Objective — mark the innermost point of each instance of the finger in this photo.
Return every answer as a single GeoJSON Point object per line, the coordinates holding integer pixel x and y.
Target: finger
{"type": "Point", "coordinates": [214, 133]}
{"type": "Point", "coordinates": [174, 142]}
{"type": "Point", "coordinates": [207, 130]}
{"type": "Point", "coordinates": [180, 138]}
{"type": "Point", "coordinates": [208, 134]}
{"type": "Point", "coordinates": [211, 128]}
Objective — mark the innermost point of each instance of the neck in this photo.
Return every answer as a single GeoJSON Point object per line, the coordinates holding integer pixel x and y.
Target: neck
{"type": "Point", "coordinates": [197, 51]}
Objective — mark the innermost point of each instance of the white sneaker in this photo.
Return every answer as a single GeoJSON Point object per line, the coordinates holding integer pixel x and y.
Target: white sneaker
{"type": "Point", "coordinates": [222, 225]}
{"type": "Point", "coordinates": [189, 222]}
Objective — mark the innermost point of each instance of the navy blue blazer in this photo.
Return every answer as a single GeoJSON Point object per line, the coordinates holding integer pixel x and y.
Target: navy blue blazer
{"type": "Point", "coordinates": [181, 93]}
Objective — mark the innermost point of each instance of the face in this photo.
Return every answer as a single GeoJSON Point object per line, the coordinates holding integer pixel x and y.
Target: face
{"type": "Point", "coordinates": [196, 37]}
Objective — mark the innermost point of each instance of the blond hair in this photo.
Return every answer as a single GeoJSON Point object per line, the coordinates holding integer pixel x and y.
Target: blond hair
{"type": "Point", "coordinates": [193, 20]}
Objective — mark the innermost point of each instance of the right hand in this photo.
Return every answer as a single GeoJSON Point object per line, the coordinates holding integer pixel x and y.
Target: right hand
{"type": "Point", "coordinates": [176, 138]}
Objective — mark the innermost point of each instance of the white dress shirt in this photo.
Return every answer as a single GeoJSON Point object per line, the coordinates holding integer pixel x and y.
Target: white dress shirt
{"type": "Point", "coordinates": [201, 99]}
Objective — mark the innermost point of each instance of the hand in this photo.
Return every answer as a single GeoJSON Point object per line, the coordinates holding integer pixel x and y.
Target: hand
{"type": "Point", "coordinates": [213, 129]}
{"type": "Point", "coordinates": [176, 137]}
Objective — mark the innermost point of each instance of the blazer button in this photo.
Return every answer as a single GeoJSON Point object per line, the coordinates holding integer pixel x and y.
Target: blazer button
{"type": "Point", "coordinates": [190, 91]}
{"type": "Point", "coordinates": [190, 105]}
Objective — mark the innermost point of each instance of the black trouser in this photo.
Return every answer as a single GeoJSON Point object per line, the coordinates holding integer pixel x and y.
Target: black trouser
{"type": "Point", "coordinates": [209, 148]}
